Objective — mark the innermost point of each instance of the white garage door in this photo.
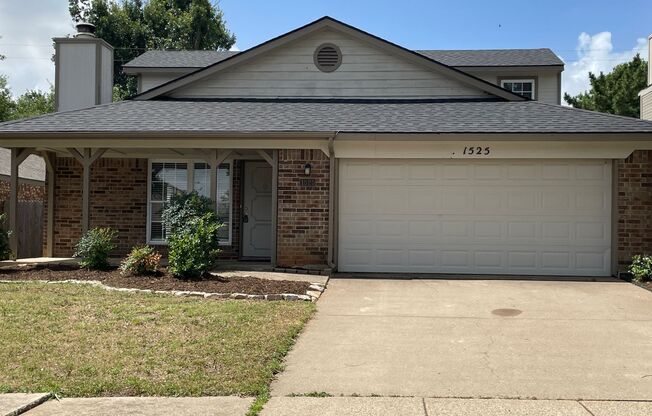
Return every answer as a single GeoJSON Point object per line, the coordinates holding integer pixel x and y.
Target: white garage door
{"type": "Point", "coordinates": [534, 217]}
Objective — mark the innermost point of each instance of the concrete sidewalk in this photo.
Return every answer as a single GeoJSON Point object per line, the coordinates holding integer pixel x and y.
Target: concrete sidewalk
{"type": "Point", "coordinates": [409, 406]}
{"type": "Point", "coordinates": [17, 403]}
{"type": "Point", "coordinates": [145, 406]}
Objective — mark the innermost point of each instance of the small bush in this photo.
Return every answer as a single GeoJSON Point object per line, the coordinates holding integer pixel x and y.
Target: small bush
{"type": "Point", "coordinates": [183, 209]}
{"type": "Point", "coordinates": [641, 268]}
{"type": "Point", "coordinates": [143, 260]}
{"type": "Point", "coordinates": [5, 250]}
{"type": "Point", "coordinates": [193, 250]}
{"type": "Point", "coordinates": [94, 248]}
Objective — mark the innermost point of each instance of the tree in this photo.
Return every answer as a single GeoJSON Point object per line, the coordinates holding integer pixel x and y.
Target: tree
{"type": "Point", "coordinates": [134, 26]}
{"type": "Point", "coordinates": [31, 103]}
{"type": "Point", "coordinates": [615, 92]}
{"type": "Point", "coordinates": [6, 102]}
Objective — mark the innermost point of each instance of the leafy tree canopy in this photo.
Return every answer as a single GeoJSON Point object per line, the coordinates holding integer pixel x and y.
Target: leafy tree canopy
{"type": "Point", "coordinates": [615, 92]}
{"type": "Point", "coordinates": [31, 103]}
{"type": "Point", "coordinates": [133, 26]}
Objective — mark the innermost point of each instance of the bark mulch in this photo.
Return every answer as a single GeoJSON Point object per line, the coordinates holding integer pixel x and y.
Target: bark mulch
{"type": "Point", "coordinates": [163, 281]}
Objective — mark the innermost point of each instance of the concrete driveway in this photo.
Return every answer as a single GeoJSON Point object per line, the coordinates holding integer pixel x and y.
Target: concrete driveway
{"type": "Point", "coordinates": [476, 338]}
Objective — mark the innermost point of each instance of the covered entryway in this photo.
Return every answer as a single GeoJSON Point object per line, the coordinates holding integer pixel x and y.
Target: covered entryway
{"type": "Point", "coordinates": [532, 217]}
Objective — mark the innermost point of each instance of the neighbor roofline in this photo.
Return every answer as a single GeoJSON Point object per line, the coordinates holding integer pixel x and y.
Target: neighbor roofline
{"type": "Point", "coordinates": [323, 22]}
{"type": "Point", "coordinates": [560, 66]}
{"type": "Point", "coordinates": [158, 69]}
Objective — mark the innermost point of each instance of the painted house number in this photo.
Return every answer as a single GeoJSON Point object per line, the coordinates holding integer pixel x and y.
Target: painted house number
{"type": "Point", "coordinates": [477, 151]}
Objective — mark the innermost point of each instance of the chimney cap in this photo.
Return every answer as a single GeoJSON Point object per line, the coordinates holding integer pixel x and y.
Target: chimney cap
{"type": "Point", "coordinates": [85, 29]}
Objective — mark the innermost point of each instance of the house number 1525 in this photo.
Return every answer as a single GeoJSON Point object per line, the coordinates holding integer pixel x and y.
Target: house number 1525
{"type": "Point", "coordinates": [477, 151]}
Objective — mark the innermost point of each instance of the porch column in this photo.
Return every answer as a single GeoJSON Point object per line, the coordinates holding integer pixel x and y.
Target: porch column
{"type": "Point", "coordinates": [18, 155]}
{"type": "Point", "coordinates": [86, 157]}
{"type": "Point", "coordinates": [49, 234]}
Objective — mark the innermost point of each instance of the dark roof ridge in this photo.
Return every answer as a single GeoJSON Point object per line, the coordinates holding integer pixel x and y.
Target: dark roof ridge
{"type": "Point", "coordinates": [326, 100]}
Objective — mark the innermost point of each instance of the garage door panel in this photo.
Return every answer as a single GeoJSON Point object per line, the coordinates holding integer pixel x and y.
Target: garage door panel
{"type": "Point", "coordinates": [539, 217]}
{"type": "Point", "coordinates": [479, 261]}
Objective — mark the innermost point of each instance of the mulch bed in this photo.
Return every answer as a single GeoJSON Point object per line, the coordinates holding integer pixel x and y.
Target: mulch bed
{"type": "Point", "coordinates": [646, 285]}
{"type": "Point", "coordinates": [162, 281]}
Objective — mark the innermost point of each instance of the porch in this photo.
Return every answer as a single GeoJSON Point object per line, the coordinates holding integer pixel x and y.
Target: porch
{"type": "Point", "coordinates": [127, 188]}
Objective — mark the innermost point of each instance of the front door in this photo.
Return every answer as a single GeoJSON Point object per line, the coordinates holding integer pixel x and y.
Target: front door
{"type": "Point", "coordinates": [257, 210]}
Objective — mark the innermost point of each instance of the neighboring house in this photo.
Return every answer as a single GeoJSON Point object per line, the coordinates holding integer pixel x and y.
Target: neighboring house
{"type": "Point", "coordinates": [646, 94]}
{"type": "Point", "coordinates": [31, 178]}
{"type": "Point", "coordinates": [329, 146]}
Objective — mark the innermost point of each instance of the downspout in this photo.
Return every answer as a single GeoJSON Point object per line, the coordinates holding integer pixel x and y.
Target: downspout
{"type": "Point", "coordinates": [331, 201]}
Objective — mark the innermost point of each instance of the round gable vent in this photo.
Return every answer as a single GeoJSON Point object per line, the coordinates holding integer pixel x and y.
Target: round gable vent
{"type": "Point", "coordinates": [328, 57]}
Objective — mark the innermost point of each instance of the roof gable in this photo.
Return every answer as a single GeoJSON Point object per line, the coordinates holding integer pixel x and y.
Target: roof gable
{"type": "Point", "coordinates": [408, 57]}
{"type": "Point", "coordinates": [289, 71]}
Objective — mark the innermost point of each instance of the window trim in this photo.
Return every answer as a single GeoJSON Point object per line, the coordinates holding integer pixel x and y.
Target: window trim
{"type": "Point", "coordinates": [190, 163]}
{"type": "Point", "coordinates": [534, 80]}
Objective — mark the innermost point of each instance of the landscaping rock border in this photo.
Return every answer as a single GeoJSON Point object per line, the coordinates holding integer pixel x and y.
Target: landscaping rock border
{"type": "Point", "coordinates": [316, 289]}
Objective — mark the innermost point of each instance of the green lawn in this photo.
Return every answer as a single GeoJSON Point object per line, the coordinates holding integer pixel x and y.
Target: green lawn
{"type": "Point", "coordinates": [82, 341]}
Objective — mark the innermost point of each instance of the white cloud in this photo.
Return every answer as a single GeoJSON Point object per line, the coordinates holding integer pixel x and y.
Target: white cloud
{"type": "Point", "coordinates": [235, 48]}
{"type": "Point", "coordinates": [594, 54]}
{"type": "Point", "coordinates": [26, 30]}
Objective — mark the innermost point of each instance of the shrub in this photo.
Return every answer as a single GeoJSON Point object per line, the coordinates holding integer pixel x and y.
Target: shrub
{"type": "Point", "coordinates": [142, 260]}
{"type": "Point", "coordinates": [5, 250]}
{"type": "Point", "coordinates": [183, 209]}
{"type": "Point", "coordinates": [193, 249]}
{"type": "Point", "coordinates": [641, 268]}
{"type": "Point", "coordinates": [94, 248]}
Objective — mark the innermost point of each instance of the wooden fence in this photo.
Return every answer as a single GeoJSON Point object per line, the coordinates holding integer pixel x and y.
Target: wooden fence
{"type": "Point", "coordinates": [30, 228]}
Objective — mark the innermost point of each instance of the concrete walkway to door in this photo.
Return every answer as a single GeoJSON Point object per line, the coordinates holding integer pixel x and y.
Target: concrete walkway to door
{"type": "Point", "coordinates": [476, 339]}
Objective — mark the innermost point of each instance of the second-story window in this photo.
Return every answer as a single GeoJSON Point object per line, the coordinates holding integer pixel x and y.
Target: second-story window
{"type": "Point", "coordinates": [524, 87]}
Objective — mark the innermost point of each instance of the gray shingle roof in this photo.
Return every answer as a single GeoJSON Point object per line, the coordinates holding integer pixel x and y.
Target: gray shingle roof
{"type": "Point", "coordinates": [320, 116]}
{"type": "Point", "coordinates": [178, 59]}
{"type": "Point", "coordinates": [32, 168]}
{"type": "Point", "coordinates": [497, 57]}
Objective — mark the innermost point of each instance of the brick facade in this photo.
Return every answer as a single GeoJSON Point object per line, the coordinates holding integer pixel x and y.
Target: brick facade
{"type": "Point", "coordinates": [634, 206]}
{"type": "Point", "coordinates": [302, 230]}
{"type": "Point", "coordinates": [118, 200]}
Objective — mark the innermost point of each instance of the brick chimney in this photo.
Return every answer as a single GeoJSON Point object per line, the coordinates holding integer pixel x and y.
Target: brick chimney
{"type": "Point", "coordinates": [83, 70]}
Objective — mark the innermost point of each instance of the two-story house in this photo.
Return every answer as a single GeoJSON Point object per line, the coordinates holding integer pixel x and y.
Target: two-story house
{"type": "Point", "coordinates": [329, 146]}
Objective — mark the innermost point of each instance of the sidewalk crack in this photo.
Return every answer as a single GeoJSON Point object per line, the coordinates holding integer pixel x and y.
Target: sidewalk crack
{"type": "Point", "coordinates": [425, 409]}
{"type": "Point", "coordinates": [585, 408]}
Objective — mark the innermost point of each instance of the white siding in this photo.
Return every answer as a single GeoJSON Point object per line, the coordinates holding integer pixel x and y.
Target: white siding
{"type": "Point", "coordinates": [366, 71]}
{"type": "Point", "coordinates": [76, 82]}
{"type": "Point", "coordinates": [548, 88]}
{"type": "Point", "coordinates": [149, 80]}
{"type": "Point", "coordinates": [646, 106]}
{"type": "Point", "coordinates": [106, 81]}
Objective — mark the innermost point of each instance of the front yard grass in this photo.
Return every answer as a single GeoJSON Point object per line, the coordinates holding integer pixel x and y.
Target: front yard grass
{"type": "Point", "coordinates": [78, 341]}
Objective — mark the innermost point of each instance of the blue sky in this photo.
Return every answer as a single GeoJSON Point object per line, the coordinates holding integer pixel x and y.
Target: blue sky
{"type": "Point", "coordinates": [588, 35]}
{"type": "Point", "coordinates": [453, 24]}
